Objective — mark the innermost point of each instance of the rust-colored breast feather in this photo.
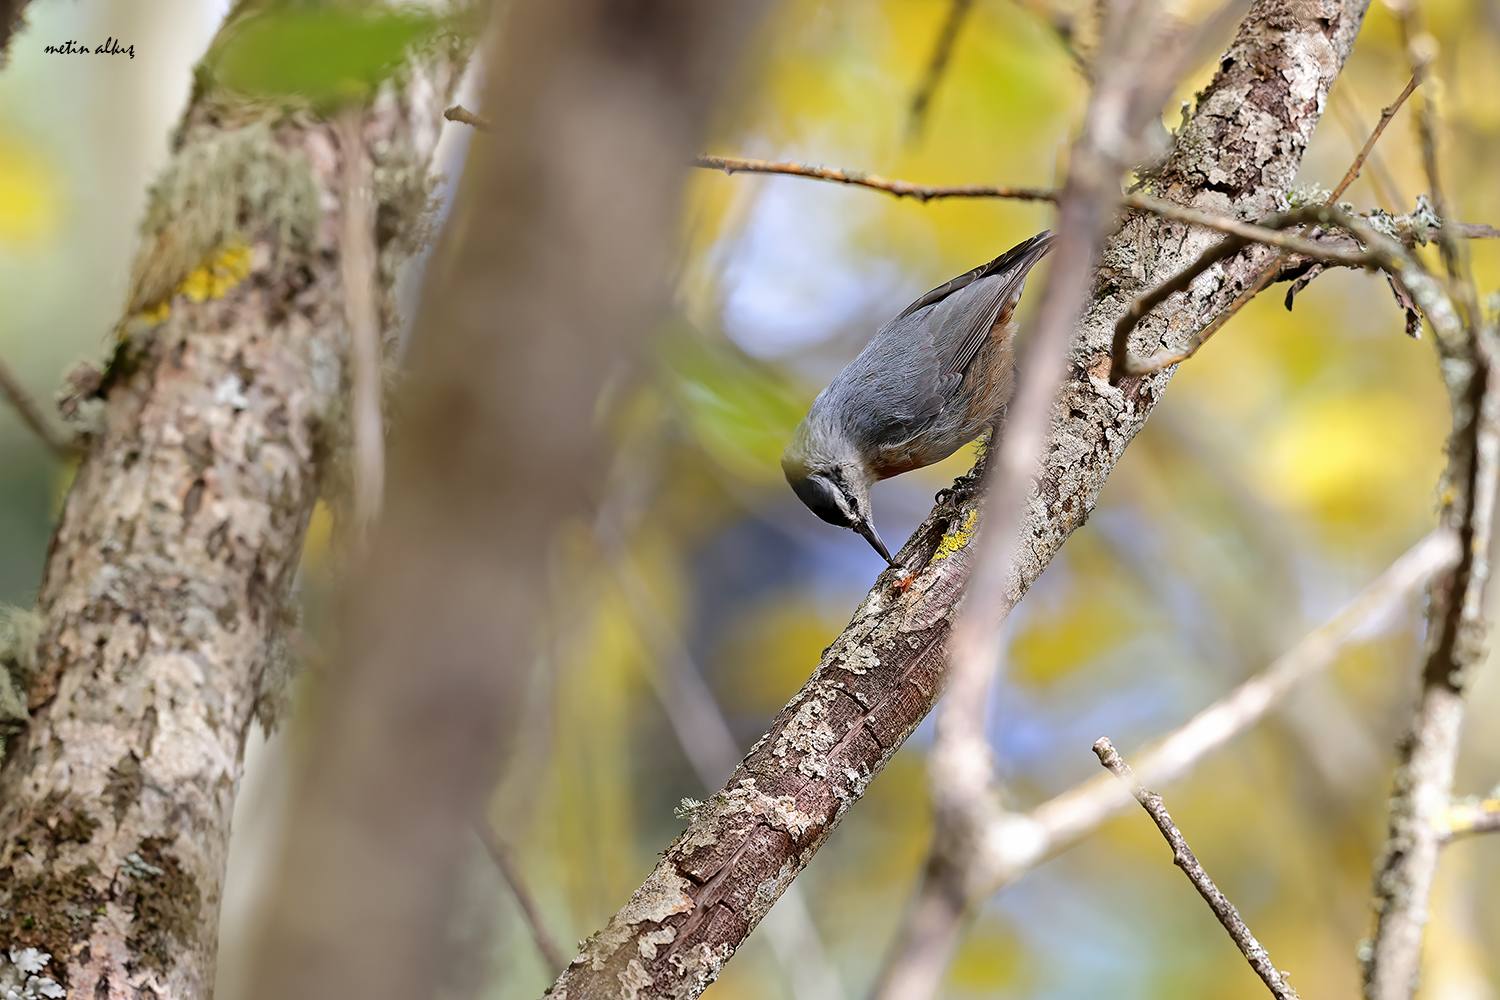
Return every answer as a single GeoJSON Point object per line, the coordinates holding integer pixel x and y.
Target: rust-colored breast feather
{"type": "Point", "coordinates": [978, 402]}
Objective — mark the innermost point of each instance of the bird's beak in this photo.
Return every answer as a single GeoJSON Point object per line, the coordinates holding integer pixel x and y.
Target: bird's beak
{"type": "Point", "coordinates": [873, 537]}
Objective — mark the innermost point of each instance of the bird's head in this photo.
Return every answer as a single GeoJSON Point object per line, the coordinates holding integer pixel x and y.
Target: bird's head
{"type": "Point", "coordinates": [836, 491]}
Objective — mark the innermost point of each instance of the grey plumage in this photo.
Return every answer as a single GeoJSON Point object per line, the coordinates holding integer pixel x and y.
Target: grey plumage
{"type": "Point", "coordinates": [930, 380]}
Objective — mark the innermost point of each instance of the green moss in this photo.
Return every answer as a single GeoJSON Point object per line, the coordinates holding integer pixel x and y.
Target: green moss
{"type": "Point", "coordinates": [167, 901]}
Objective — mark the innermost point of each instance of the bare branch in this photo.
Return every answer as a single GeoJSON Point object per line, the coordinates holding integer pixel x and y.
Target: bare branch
{"type": "Point", "coordinates": [1182, 857]}
{"type": "Point", "coordinates": [505, 859]}
{"type": "Point", "coordinates": [1075, 813]}
{"type": "Point", "coordinates": [1249, 232]}
{"type": "Point", "coordinates": [358, 267]}
{"type": "Point", "coordinates": [31, 414]}
{"type": "Point", "coordinates": [942, 52]}
{"type": "Point", "coordinates": [1473, 816]}
{"type": "Point", "coordinates": [1469, 358]}
{"type": "Point", "coordinates": [899, 188]}
{"type": "Point", "coordinates": [1016, 843]}
{"type": "Point", "coordinates": [1386, 115]}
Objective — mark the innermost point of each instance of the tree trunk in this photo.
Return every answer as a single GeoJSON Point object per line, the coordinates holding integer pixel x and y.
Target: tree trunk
{"type": "Point", "coordinates": [167, 578]}
{"type": "Point", "coordinates": [550, 276]}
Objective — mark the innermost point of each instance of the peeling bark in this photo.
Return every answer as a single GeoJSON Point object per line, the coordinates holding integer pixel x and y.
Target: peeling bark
{"type": "Point", "coordinates": [878, 680]}
{"type": "Point", "coordinates": [168, 573]}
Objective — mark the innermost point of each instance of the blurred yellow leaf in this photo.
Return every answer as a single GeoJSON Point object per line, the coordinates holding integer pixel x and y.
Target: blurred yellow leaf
{"type": "Point", "coordinates": [28, 194]}
{"type": "Point", "coordinates": [992, 958]}
{"type": "Point", "coordinates": [771, 650]}
{"type": "Point", "coordinates": [1055, 641]}
{"type": "Point", "coordinates": [1352, 458]}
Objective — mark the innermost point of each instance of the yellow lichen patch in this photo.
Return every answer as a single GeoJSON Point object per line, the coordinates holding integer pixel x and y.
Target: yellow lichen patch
{"type": "Point", "coordinates": [157, 314]}
{"type": "Point", "coordinates": [958, 538]}
{"type": "Point", "coordinates": [217, 275]}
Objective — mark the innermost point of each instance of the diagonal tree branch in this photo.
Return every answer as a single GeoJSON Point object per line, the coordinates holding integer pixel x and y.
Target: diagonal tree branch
{"type": "Point", "coordinates": [960, 771]}
{"type": "Point", "coordinates": [1466, 818]}
{"type": "Point", "coordinates": [1182, 856]}
{"type": "Point", "coordinates": [505, 859]}
{"type": "Point", "coordinates": [881, 676]}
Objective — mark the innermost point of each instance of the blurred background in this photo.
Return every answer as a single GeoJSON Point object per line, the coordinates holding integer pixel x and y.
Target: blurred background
{"type": "Point", "coordinates": [1290, 462]}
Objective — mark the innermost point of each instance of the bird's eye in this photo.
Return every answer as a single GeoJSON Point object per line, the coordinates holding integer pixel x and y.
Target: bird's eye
{"type": "Point", "coordinates": [822, 498]}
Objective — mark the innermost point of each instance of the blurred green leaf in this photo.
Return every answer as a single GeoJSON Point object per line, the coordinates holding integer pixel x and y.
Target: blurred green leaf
{"type": "Point", "coordinates": [741, 412]}
{"type": "Point", "coordinates": [329, 56]}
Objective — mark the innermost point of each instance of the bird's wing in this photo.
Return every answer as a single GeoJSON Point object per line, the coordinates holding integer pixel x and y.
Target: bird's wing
{"type": "Point", "coordinates": [958, 336]}
{"type": "Point", "coordinates": [914, 364]}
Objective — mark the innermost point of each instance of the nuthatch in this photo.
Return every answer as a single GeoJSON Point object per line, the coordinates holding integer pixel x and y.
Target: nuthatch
{"type": "Point", "coordinates": [930, 381]}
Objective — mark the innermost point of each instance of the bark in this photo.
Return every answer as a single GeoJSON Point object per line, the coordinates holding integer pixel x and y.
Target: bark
{"type": "Point", "coordinates": [551, 273]}
{"type": "Point", "coordinates": [167, 578]}
{"type": "Point", "coordinates": [876, 682]}
{"type": "Point", "coordinates": [12, 23]}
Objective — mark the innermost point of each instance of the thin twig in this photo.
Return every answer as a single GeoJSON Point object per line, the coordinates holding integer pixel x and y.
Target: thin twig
{"type": "Point", "coordinates": [505, 860]}
{"type": "Point", "coordinates": [1182, 856]}
{"type": "Point", "coordinates": [1062, 25]}
{"type": "Point", "coordinates": [1123, 365]}
{"type": "Point", "coordinates": [1387, 191]}
{"type": "Point", "coordinates": [458, 113]}
{"type": "Point", "coordinates": [31, 414]}
{"type": "Point", "coordinates": [1386, 115]}
{"type": "Point", "coordinates": [899, 188]}
{"type": "Point", "coordinates": [358, 266]}
{"type": "Point", "coordinates": [1465, 818]}
{"type": "Point", "coordinates": [1248, 231]}
{"type": "Point", "coordinates": [942, 52]}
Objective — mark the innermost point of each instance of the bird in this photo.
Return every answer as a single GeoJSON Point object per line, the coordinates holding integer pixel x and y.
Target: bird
{"type": "Point", "coordinates": [930, 381]}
